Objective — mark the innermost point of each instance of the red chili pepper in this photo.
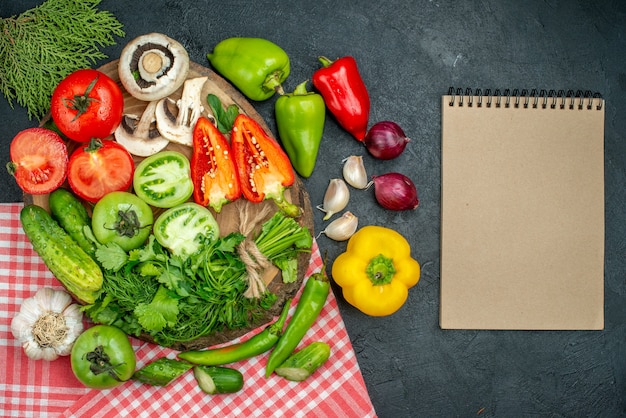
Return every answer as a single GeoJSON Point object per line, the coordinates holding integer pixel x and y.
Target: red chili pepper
{"type": "Point", "coordinates": [213, 170]}
{"type": "Point", "coordinates": [264, 169]}
{"type": "Point", "coordinates": [344, 93]}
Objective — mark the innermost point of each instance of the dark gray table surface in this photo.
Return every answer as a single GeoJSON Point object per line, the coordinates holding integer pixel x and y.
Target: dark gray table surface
{"type": "Point", "coordinates": [409, 53]}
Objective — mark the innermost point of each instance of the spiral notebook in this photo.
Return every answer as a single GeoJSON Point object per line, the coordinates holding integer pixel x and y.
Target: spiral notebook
{"type": "Point", "coordinates": [522, 210]}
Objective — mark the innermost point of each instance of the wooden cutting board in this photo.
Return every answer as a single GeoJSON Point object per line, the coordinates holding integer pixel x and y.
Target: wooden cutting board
{"type": "Point", "coordinates": [229, 217]}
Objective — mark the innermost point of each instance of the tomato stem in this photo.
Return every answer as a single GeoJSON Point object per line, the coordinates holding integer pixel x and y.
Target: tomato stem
{"type": "Point", "coordinates": [128, 224]}
{"type": "Point", "coordinates": [101, 363]}
{"type": "Point", "coordinates": [94, 145]}
{"type": "Point", "coordinates": [80, 103]}
{"type": "Point", "coordinates": [11, 168]}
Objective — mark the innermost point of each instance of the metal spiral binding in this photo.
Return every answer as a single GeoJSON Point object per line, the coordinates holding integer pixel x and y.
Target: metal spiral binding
{"type": "Point", "coordinates": [516, 98]}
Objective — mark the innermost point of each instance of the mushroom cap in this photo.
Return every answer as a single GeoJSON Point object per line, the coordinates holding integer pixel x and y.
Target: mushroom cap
{"type": "Point", "coordinates": [139, 135]}
{"type": "Point", "coordinates": [153, 66]}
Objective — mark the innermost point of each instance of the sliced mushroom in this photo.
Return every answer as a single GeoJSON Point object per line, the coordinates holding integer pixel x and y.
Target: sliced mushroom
{"type": "Point", "coordinates": [153, 66]}
{"type": "Point", "coordinates": [140, 136]}
{"type": "Point", "coordinates": [179, 127]}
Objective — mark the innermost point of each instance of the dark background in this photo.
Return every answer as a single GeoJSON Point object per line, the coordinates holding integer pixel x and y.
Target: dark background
{"type": "Point", "coordinates": [409, 53]}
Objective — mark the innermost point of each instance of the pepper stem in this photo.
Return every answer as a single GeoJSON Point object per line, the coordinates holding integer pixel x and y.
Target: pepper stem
{"type": "Point", "coordinates": [277, 327]}
{"type": "Point", "coordinates": [272, 82]}
{"type": "Point", "coordinates": [286, 207]}
{"type": "Point", "coordinates": [300, 89]}
{"type": "Point", "coordinates": [380, 270]}
{"type": "Point", "coordinates": [325, 61]}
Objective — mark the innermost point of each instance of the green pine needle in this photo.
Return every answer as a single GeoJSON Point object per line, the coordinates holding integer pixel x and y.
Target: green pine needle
{"type": "Point", "coordinates": [43, 45]}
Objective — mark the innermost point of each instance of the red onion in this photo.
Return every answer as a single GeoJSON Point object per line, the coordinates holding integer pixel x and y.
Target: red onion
{"type": "Point", "coordinates": [395, 191]}
{"type": "Point", "coordinates": [385, 140]}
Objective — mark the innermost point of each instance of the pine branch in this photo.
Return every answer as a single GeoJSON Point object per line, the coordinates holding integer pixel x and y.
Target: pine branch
{"type": "Point", "coordinates": [41, 46]}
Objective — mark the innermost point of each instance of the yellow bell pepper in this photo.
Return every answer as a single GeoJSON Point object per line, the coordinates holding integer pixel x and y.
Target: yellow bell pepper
{"type": "Point", "coordinates": [376, 271]}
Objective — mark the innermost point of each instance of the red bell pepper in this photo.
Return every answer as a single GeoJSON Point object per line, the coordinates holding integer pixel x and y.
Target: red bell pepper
{"type": "Point", "coordinates": [264, 169]}
{"type": "Point", "coordinates": [213, 170]}
{"type": "Point", "coordinates": [344, 93]}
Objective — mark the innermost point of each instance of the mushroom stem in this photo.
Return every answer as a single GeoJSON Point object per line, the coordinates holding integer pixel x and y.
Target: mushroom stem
{"type": "Point", "coordinates": [179, 129]}
{"type": "Point", "coordinates": [141, 139]}
{"type": "Point", "coordinates": [147, 117]}
{"type": "Point", "coordinates": [152, 62]}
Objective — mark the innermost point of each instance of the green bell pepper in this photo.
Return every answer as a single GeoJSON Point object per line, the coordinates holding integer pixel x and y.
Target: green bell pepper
{"type": "Point", "coordinates": [256, 66]}
{"type": "Point", "coordinates": [300, 119]}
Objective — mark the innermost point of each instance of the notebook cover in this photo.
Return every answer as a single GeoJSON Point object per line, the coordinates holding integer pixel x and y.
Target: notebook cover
{"type": "Point", "coordinates": [522, 217]}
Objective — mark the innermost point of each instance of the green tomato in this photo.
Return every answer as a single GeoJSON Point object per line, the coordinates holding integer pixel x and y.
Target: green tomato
{"type": "Point", "coordinates": [163, 180]}
{"type": "Point", "coordinates": [122, 218]}
{"type": "Point", "coordinates": [102, 357]}
{"type": "Point", "coordinates": [184, 228]}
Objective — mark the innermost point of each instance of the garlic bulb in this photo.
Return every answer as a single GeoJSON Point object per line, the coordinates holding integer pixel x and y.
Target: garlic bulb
{"type": "Point", "coordinates": [335, 199]}
{"type": "Point", "coordinates": [47, 324]}
{"type": "Point", "coordinates": [342, 228]}
{"type": "Point", "coordinates": [354, 172]}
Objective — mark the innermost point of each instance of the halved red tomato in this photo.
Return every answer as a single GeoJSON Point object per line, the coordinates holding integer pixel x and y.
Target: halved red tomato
{"type": "Point", "coordinates": [38, 160]}
{"type": "Point", "coordinates": [100, 168]}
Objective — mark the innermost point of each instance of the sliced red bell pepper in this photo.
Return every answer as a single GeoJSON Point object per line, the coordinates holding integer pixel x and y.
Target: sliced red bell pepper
{"type": "Point", "coordinates": [264, 169]}
{"type": "Point", "coordinates": [344, 93]}
{"type": "Point", "coordinates": [213, 170]}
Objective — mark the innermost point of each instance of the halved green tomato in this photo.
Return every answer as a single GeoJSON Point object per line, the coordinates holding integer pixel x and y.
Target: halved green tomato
{"type": "Point", "coordinates": [163, 180]}
{"type": "Point", "coordinates": [184, 228]}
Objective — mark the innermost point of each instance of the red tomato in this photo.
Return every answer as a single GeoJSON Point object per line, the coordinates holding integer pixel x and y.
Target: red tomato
{"type": "Point", "coordinates": [38, 160]}
{"type": "Point", "coordinates": [87, 104]}
{"type": "Point", "coordinates": [102, 167]}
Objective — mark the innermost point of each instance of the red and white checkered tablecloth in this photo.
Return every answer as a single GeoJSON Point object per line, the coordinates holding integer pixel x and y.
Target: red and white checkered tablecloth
{"type": "Point", "coordinates": [32, 388]}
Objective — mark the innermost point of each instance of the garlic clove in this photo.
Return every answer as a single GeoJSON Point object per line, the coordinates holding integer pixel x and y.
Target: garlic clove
{"type": "Point", "coordinates": [342, 228]}
{"type": "Point", "coordinates": [51, 353]}
{"type": "Point", "coordinates": [74, 323]}
{"type": "Point", "coordinates": [335, 199]}
{"type": "Point", "coordinates": [35, 352]}
{"type": "Point", "coordinates": [31, 309]}
{"type": "Point", "coordinates": [354, 172]}
{"type": "Point", "coordinates": [55, 301]}
{"type": "Point", "coordinates": [20, 327]}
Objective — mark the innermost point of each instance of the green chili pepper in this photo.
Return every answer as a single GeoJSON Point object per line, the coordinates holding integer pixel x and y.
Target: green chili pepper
{"type": "Point", "coordinates": [258, 344]}
{"type": "Point", "coordinates": [300, 119]}
{"type": "Point", "coordinates": [255, 66]}
{"type": "Point", "coordinates": [309, 307]}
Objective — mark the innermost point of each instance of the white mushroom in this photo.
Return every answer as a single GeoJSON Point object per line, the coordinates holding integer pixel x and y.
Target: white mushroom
{"type": "Point", "coordinates": [140, 136]}
{"type": "Point", "coordinates": [179, 127]}
{"type": "Point", "coordinates": [153, 66]}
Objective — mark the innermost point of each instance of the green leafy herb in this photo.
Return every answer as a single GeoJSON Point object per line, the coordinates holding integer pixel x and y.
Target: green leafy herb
{"type": "Point", "coordinates": [224, 118]}
{"type": "Point", "coordinates": [148, 290]}
{"type": "Point", "coordinates": [177, 300]}
{"type": "Point", "coordinates": [280, 239]}
{"type": "Point", "coordinates": [162, 311]}
{"type": "Point", "coordinates": [111, 256]}
{"type": "Point", "coordinates": [41, 46]}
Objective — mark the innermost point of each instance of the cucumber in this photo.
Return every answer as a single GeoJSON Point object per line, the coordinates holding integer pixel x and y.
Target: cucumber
{"type": "Point", "coordinates": [70, 213]}
{"type": "Point", "coordinates": [303, 363]}
{"type": "Point", "coordinates": [67, 261]}
{"type": "Point", "coordinates": [161, 372]}
{"type": "Point", "coordinates": [214, 379]}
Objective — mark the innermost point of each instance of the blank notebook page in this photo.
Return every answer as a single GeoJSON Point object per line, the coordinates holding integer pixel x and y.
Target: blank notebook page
{"type": "Point", "coordinates": [522, 213]}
